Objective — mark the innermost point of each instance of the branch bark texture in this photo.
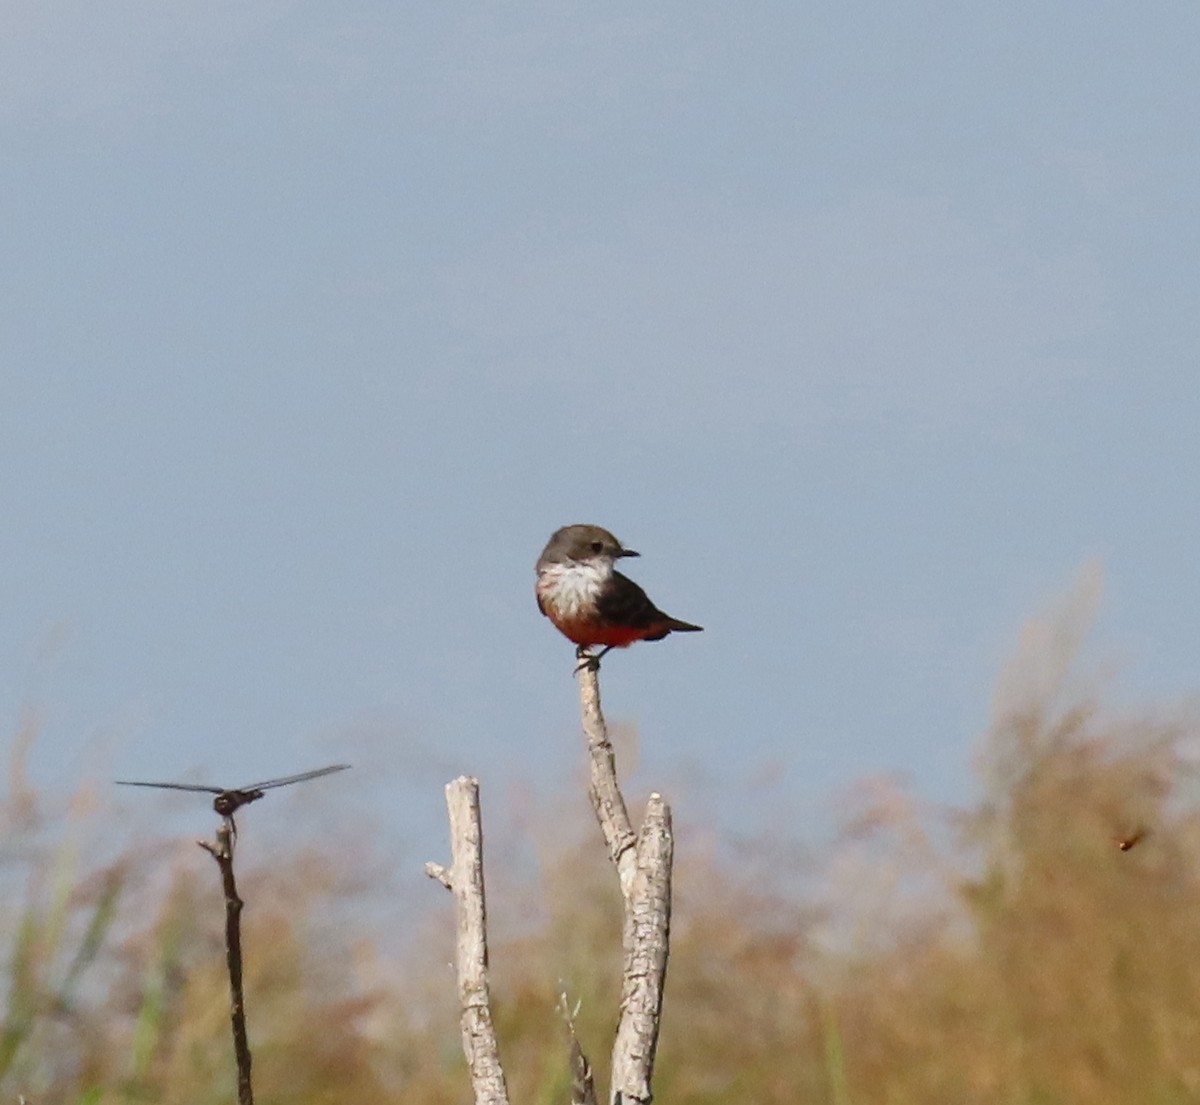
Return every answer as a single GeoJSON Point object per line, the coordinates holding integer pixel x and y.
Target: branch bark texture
{"type": "Point", "coordinates": [643, 862]}
{"type": "Point", "coordinates": [646, 939]}
{"type": "Point", "coordinates": [464, 878]}
{"type": "Point", "coordinates": [603, 789]}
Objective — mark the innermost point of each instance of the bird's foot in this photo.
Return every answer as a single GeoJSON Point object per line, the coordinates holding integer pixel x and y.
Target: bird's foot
{"type": "Point", "coordinates": [588, 660]}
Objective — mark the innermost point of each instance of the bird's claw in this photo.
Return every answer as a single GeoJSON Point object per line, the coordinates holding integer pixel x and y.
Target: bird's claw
{"type": "Point", "coordinates": [588, 660]}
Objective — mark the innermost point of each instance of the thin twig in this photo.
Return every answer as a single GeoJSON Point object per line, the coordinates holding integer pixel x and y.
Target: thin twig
{"type": "Point", "coordinates": [465, 881]}
{"type": "Point", "coordinates": [583, 1086]}
{"type": "Point", "coordinates": [227, 801]}
{"type": "Point", "coordinates": [222, 852]}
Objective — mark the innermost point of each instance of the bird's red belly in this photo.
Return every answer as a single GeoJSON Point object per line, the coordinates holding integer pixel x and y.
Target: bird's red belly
{"type": "Point", "coordinates": [585, 631]}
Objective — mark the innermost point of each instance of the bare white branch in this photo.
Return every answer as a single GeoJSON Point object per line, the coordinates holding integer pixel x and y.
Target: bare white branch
{"type": "Point", "coordinates": [646, 939]}
{"type": "Point", "coordinates": [643, 863]}
{"type": "Point", "coordinates": [603, 789]}
{"type": "Point", "coordinates": [465, 881]}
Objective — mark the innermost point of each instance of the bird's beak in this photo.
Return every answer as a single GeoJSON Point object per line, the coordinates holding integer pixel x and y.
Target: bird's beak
{"type": "Point", "coordinates": [628, 552]}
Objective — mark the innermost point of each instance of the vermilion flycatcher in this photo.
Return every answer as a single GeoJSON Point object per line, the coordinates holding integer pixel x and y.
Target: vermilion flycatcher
{"type": "Point", "coordinates": [590, 602]}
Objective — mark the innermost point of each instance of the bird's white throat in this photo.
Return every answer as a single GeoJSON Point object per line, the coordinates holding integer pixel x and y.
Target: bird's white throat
{"type": "Point", "coordinates": [574, 586]}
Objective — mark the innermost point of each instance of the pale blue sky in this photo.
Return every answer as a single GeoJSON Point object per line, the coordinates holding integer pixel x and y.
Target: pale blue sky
{"type": "Point", "coordinates": [865, 323]}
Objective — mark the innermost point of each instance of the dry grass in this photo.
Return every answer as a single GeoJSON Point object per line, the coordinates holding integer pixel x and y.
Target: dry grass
{"type": "Point", "coordinates": [1006, 953]}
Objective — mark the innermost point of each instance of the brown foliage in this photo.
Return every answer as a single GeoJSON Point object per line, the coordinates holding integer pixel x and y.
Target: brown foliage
{"type": "Point", "coordinates": [1005, 953]}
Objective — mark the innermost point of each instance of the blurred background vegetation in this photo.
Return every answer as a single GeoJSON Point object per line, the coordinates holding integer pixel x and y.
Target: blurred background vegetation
{"type": "Point", "coordinates": [1007, 951]}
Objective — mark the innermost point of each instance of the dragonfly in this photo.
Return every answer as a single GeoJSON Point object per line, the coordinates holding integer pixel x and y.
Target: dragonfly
{"type": "Point", "coordinates": [229, 800]}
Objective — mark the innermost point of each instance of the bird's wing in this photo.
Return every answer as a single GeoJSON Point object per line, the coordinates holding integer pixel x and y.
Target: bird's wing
{"type": "Point", "coordinates": [625, 603]}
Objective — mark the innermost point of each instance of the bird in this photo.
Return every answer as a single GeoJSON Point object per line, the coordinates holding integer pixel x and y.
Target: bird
{"type": "Point", "coordinates": [589, 601]}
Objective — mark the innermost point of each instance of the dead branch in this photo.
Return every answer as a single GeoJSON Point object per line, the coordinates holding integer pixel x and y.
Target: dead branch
{"type": "Point", "coordinates": [226, 802]}
{"type": "Point", "coordinates": [222, 852]}
{"type": "Point", "coordinates": [464, 879]}
{"type": "Point", "coordinates": [583, 1086]}
{"type": "Point", "coordinates": [605, 793]}
{"type": "Point", "coordinates": [643, 863]}
{"type": "Point", "coordinates": [646, 939]}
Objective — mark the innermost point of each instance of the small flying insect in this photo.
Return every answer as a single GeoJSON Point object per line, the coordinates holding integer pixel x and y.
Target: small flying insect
{"type": "Point", "coordinates": [229, 800]}
{"type": "Point", "coordinates": [1131, 841]}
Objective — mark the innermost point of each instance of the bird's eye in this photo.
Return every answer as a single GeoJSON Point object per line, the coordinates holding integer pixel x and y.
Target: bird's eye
{"type": "Point", "coordinates": [597, 546]}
